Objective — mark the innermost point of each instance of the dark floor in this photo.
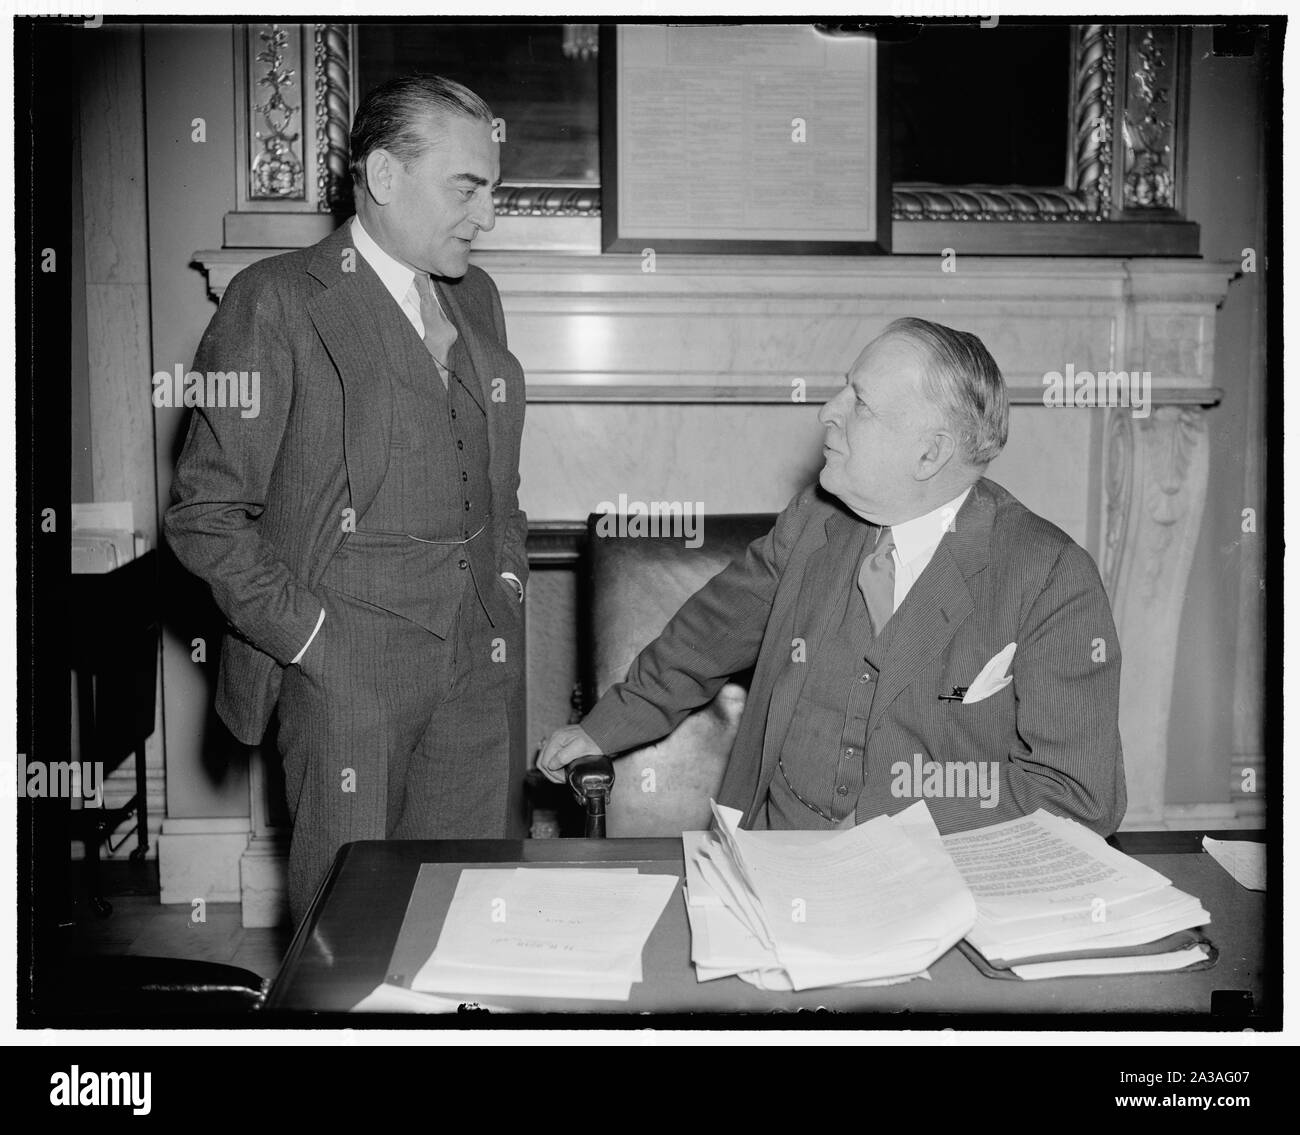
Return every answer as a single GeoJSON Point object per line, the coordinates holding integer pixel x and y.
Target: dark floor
{"type": "Point", "coordinates": [140, 924]}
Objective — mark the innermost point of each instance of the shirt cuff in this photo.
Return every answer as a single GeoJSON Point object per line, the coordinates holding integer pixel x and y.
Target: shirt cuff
{"type": "Point", "coordinates": [519, 587]}
{"type": "Point", "coordinates": [298, 657]}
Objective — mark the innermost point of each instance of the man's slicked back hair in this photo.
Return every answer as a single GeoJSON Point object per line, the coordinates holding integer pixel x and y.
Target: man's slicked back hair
{"type": "Point", "coordinates": [961, 379]}
{"type": "Point", "coordinates": [390, 118]}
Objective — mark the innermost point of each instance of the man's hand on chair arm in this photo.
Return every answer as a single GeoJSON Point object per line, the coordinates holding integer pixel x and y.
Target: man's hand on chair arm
{"type": "Point", "coordinates": [562, 748]}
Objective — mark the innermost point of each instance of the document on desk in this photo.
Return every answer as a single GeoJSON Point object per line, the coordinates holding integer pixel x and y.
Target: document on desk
{"type": "Point", "coordinates": [546, 933]}
{"type": "Point", "coordinates": [802, 910]}
{"type": "Point", "coordinates": [1051, 891]}
{"type": "Point", "coordinates": [1015, 867]}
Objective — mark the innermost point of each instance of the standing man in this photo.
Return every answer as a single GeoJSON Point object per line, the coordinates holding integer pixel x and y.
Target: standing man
{"type": "Point", "coordinates": [361, 533]}
{"type": "Point", "coordinates": [916, 632]}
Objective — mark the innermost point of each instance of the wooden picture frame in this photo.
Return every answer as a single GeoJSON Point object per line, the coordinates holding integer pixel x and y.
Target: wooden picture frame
{"type": "Point", "coordinates": [1126, 165]}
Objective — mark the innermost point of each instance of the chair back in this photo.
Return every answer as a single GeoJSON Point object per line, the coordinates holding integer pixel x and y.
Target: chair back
{"type": "Point", "coordinates": [634, 585]}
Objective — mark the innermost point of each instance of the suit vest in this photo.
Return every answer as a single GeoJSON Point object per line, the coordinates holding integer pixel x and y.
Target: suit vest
{"type": "Point", "coordinates": [426, 535]}
{"type": "Point", "coordinates": [823, 760]}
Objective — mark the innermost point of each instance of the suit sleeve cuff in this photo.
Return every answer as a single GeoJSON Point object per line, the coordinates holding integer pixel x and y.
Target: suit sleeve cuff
{"type": "Point", "coordinates": [298, 657]}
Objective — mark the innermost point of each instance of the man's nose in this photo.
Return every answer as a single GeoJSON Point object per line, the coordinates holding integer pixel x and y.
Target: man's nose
{"type": "Point", "coordinates": [830, 413]}
{"type": "Point", "coordinates": [485, 213]}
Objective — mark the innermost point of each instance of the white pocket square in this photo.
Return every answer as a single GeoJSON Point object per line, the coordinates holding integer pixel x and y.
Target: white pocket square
{"type": "Point", "coordinates": [993, 677]}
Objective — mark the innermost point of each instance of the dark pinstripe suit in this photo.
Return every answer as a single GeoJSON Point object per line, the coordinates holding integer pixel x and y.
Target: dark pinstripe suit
{"type": "Point", "coordinates": [1001, 575]}
{"type": "Point", "coordinates": [258, 512]}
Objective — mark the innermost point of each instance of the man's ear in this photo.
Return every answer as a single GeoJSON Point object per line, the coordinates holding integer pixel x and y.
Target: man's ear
{"type": "Point", "coordinates": [940, 448]}
{"type": "Point", "coordinates": [380, 167]}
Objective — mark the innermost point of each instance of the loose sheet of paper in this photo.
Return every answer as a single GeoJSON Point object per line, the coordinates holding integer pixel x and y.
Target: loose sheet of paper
{"type": "Point", "coordinates": [546, 933]}
{"type": "Point", "coordinates": [1243, 859]}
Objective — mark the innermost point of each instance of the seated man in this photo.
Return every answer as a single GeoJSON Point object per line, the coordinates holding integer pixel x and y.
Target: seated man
{"type": "Point", "coordinates": [923, 636]}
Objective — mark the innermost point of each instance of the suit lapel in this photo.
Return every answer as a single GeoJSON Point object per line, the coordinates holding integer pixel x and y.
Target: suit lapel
{"type": "Point", "coordinates": [354, 316]}
{"type": "Point", "coordinates": [938, 603]}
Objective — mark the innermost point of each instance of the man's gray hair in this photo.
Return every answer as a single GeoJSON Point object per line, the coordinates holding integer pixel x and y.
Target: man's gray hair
{"type": "Point", "coordinates": [962, 379]}
{"type": "Point", "coordinates": [390, 116]}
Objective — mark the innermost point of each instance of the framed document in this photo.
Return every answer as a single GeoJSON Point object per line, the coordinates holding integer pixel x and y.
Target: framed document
{"type": "Point", "coordinates": [742, 139]}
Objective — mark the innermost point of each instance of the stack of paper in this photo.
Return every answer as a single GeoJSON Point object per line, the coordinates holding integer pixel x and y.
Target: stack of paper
{"type": "Point", "coordinates": [1055, 900]}
{"type": "Point", "coordinates": [802, 910]}
{"type": "Point", "coordinates": [536, 932]}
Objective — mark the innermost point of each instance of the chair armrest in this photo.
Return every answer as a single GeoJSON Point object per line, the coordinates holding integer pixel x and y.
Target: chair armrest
{"type": "Point", "coordinates": [591, 780]}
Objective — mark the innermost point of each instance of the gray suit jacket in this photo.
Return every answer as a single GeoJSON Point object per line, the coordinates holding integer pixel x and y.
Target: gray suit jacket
{"type": "Point", "coordinates": [1001, 575]}
{"type": "Point", "coordinates": [258, 502]}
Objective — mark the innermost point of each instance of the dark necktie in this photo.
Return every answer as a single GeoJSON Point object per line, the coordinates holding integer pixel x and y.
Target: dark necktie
{"type": "Point", "coordinates": [876, 580]}
{"type": "Point", "coordinates": [439, 334]}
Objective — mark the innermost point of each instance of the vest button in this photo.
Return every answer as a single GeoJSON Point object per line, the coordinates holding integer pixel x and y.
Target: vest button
{"type": "Point", "coordinates": [864, 677]}
{"type": "Point", "coordinates": [453, 413]}
{"type": "Point", "coordinates": [460, 445]}
{"type": "Point", "coordinates": [464, 564]}
{"type": "Point", "coordinates": [464, 476]}
{"type": "Point", "coordinates": [842, 790]}
{"type": "Point", "coordinates": [467, 506]}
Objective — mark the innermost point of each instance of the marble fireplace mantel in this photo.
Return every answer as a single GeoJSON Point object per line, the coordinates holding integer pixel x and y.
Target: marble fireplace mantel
{"type": "Point", "coordinates": [745, 328]}
{"type": "Point", "coordinates": [713, 331]}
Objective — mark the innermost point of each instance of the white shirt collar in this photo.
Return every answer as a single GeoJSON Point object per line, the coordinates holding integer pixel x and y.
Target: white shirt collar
{"type": "Point", "coordinates": [395, 275]}
{"type": "Point", "coordinates": [921, 535]}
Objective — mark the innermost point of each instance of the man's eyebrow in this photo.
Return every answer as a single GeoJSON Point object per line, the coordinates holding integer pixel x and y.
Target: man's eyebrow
{"type": "Point", "coordinates": [474, 179]}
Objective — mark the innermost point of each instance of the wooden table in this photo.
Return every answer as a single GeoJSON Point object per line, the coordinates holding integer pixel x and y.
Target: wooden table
{"type": "Point", "coordinates": [345, 948]}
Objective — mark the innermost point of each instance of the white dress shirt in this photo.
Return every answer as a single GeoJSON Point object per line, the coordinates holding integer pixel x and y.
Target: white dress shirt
{"type": "Point", "coordinates": [915, 542]}
{"type": "Point", "coordinates": [393, 274]}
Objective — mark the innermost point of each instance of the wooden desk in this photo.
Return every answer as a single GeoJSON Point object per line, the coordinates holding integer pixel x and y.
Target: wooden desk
{"type": "Point", "coordinates": [344, 947]}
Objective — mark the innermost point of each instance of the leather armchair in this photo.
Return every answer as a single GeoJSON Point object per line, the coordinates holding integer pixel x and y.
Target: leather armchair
{"type": "Point", "coordinates": [633, 585]}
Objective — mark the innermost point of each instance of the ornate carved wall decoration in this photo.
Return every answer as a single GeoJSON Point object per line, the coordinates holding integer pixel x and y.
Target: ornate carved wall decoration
{"type": "Point", "coordinates": [1149, 120]}
{"type": "Point", "coordinates": [333, 64]}
{"type": "Point", "coordinates": [1157, 472]}
{"type": "Point", "coordinates": [1119, 496]}
{"type": "Point", "coordinates": [547, 201]}
{"type": "Point", "coordinates": [276, 168]}
{"type": "Point", "coordinates": [1089, 171]}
